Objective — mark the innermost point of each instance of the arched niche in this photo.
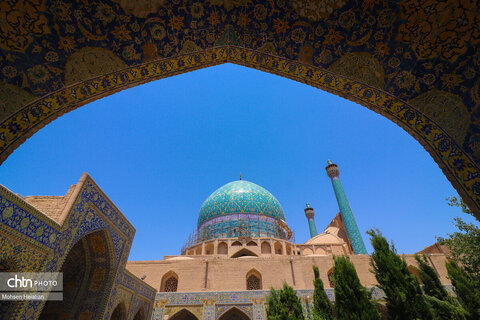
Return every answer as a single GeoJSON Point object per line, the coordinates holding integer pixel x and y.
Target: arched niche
{"type": "Point", "coordinates": [253, 280]}
{"type": "Point", "coordinates": [88, 271]}
{"type": "Point", "coordinates": [243, 253]}
{"type": "Point", "coordinates": [278, 248]}
{"type": "Point", "coordinates": [120, 312]}
{"type": "Point", "coordinates": [266, 248]}
{"type": "Point", "coordinates": [209, 249]}
{"type": "Point", "coordinates": [307, 251]}
{"type": "Point", "coordinates": [234, 314]}
{"type": "Point", "coordinates": [222, 248]}
{"type": "Point", "coordinates": [169, 282]}
{"type": "Point", "coordinates": [236, 244]}
{"type": "Point", "coordinates": [140, 314]}
{"type": "Point", "coordinates": [8, 308]}
{"type": "Point", "coordinates": [251, 244]}
{"type": "Point", "coordinates": [288, 249]}
{"type": "Point", "coordinates": [183, 314]}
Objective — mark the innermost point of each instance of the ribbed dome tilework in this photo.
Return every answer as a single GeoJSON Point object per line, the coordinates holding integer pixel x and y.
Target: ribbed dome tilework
{"type": "Point", "coordinates": [240, 197]}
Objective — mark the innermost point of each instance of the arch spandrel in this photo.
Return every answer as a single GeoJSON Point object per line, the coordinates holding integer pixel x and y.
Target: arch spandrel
{"type": "Point", "coordinates": [376, 53]}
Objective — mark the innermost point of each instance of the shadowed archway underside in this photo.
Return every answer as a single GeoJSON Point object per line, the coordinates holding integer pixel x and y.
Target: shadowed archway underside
{"type": "Point", "coordinates": [414, 62]}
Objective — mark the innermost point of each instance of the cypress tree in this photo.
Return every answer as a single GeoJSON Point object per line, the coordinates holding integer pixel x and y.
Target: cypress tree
{"type": "Point", "coordinates": [284, 304]}
{"type": "Point", "coordinates": [322, 307]}
{"type": "Point", "coordinates": [431, 283]}
{"type": "Point", "coordinates": [443, 306]}
{"type": "Point", "coordinates": [466, 288]}
{"type": "Point", "coordinates": [351, 298]}
{"type": "Point", "coordinates": [403, 293]}
{"type": "Point", "coordinates": [446, 309]}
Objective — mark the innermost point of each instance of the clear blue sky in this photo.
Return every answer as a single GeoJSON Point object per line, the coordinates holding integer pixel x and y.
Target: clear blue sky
{"type": "Point", "coordinates": [160, 149]}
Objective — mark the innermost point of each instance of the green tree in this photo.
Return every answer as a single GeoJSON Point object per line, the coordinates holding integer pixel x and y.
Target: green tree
{"type": "Point", "coordinates": [466, 288]}
{"type": "Point", "coordinates": [322, 307]}
{"type": "Point", "coordinates": [443, 306]}
{"type": "Point", "coordinates": [284, 304]}
{"type": "Point", "coordinates": [403, 293]}
{"type": "Point", "coordinates": [431, 283]}
{"type": "Point", "coordinates": [351, 298]}
{"type": "Point", "coordinates": [464, 244]}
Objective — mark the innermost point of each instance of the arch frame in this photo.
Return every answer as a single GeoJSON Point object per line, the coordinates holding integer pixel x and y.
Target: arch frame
{"type": "Point", "coordinates": [230, 310]}
{"type": "Point", "coordinates": [85, 241]}
{"type": "Point", "coordinates": [140, 311]}
{"type": "Point", "coordinates": [123, 306]}
{"type": "Point", "coordinates": [244, 252]}
{"type": "Point", "coordinates": [456, 164]}
{"type": "Point", "coordinates": [182, 310]}
{"type": "Point", "coordinates": [222, 248]}
{"type": "Point", "coordinates": [169, 274]}
{"type": "Point", "coordinates": [264, 246]}
{"type": "Point", "coordinates": [254, 272]}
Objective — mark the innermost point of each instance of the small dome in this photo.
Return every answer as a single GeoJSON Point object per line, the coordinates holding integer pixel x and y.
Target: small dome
{"type": "Point", "coordinates": [329, 236]}
{"type": "Point", "coordinates": [239, 197]}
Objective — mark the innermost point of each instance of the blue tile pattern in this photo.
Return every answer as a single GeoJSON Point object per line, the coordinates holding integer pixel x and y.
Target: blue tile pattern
{"type": "Point", "coordinates": [351, 227]}
{"type": "Point", "coordinates": [240, 197]}
{"type": "Point", "coordinates": [241, 225]}
{"type": "Point", "coordinates": [213, 302]}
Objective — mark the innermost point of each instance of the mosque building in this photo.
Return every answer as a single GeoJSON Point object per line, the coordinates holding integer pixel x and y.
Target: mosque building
{"type": "Point", "coordinates": [242, 247]}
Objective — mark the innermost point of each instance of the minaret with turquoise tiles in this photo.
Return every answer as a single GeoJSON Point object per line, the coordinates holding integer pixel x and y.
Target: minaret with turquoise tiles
{"type": "Point", "coordinates": [311, 222]}
{"type": "Point", "coordinates": [345, 210]}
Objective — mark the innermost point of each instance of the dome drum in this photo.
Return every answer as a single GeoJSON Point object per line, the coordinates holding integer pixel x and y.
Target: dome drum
{"type": "Point", "coordinates": [241, 225]}
{"type": "Point", "coordinates": [241, 209]}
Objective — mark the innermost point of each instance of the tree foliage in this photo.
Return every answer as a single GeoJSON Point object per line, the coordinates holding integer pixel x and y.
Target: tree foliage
{"type": "Point", "coordinates": [351, 298]}
{"type": "Point", "coordinates": [403, 293]}
{"type": "Point", "coordinates": [431, 283]}
{"type": "Point", "coordinates": [322, 307]}
{"type": "Point", "coordinates": [464, 244]}
{"type": "Point", "coordinates": [284, 304]}
{"type": "Point", "coordinates": [467, 289]}
{"type": "Point", "coordinates": [442, 305]}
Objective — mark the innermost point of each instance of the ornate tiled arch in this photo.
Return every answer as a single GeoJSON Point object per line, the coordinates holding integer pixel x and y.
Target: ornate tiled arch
{"type": "Point", "coordinates": [41, 244]}
{"type": "Point", "coordinates": [457, 165]}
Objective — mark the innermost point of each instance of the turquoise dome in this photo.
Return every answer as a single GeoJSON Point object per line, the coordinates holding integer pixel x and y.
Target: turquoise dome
{"type": "Point", "coordinates": [240, 197]}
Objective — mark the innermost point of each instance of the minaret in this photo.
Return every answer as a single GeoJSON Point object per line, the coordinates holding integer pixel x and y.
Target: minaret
{"type": "Point", "coordinates": [311, 222]}
{"type": "Point", "coordinates": [345, 210]}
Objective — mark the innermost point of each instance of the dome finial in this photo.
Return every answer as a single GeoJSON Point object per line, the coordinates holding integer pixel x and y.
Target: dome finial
{"type": "Point", "coordinates": [329, 162]}
{"type": "Point", "coordinates": [240, 176]}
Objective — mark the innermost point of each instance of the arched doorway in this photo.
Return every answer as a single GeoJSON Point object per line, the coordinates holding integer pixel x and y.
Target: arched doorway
{"type": "Point", "coordinates": [86, 274]}
{"type": "Point", "coordinates": [140, 315]}
{"type": "Point", "coordinates": [183, 314]}
{"type": "Point", "coordinates": [7, 308]}
{"type": "Point", "coordinates": [234, 314]}
{"type": "Point", "coordinates": [120, 312]}
{"type": "Point", "coordinates": [370, 53]}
